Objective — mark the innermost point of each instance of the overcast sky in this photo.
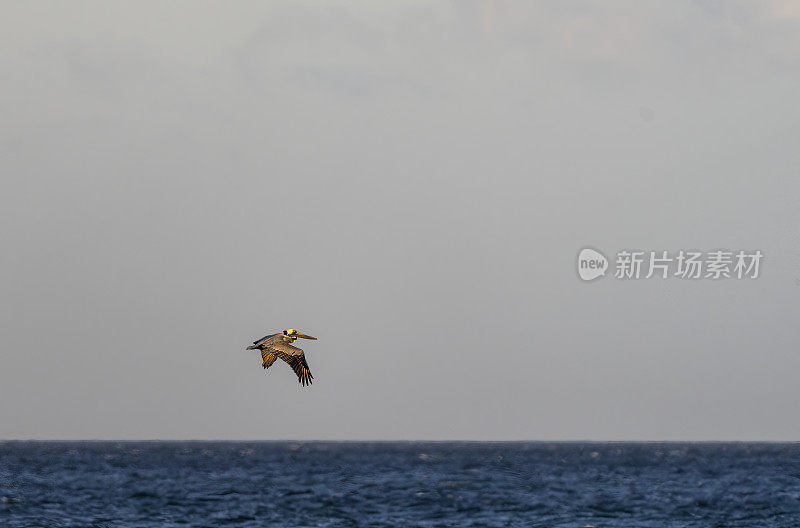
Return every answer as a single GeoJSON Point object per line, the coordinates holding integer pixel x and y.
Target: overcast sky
{"type": "Point", "coordinates": [410, 182]}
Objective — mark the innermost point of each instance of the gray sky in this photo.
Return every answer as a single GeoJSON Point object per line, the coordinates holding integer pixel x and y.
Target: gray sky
{"type": "Point", "coordinates": [411, 183]}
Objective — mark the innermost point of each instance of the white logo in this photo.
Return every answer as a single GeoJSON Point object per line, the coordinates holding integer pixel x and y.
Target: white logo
{"type": "Point", "coordinates": [683, 264]}
{"type": "Point", "coordinates": [591, 264]}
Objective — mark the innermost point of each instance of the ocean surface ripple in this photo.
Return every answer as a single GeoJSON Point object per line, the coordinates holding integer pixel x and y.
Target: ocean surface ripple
{"type": "Point", "coordinates": [430, 484]}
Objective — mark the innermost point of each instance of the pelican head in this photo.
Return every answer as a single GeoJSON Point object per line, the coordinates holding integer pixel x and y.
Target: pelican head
{"type": "Point", "coordinates": [294, 334]}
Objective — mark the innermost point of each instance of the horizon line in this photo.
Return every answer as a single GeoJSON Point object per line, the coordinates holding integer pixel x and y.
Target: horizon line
{"type": "Point", "coordinates": [386, 441]}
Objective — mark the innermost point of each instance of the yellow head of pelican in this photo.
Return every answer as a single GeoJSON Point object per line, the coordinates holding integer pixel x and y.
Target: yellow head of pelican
{"type": "Point", "coordinates": [294, 334]}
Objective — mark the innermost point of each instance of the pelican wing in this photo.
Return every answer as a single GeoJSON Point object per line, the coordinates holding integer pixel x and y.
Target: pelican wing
{"type": "Point", "coordinates": [268, 357]}
{"type": "Point", "coordinates": [295, 358]}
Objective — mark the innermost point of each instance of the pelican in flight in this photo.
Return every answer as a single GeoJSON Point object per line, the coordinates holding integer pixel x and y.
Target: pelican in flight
{"type": "Point", "coordinates": [276, 346]}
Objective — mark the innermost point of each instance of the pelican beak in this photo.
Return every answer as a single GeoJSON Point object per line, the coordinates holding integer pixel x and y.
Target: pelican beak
{"type": "Point", "coordinates": [298, 334]}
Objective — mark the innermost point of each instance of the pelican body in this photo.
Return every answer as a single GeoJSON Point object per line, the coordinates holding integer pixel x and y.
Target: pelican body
{"type": "Point", "coordinates": [276, 346]}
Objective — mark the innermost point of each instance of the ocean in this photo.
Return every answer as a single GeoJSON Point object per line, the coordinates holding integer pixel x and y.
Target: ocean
{"type": "Point", "coordinates": [398, 484]}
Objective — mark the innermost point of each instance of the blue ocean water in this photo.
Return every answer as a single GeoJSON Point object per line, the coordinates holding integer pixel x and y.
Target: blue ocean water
{"type": "Point", "coordinates": [248, 484]}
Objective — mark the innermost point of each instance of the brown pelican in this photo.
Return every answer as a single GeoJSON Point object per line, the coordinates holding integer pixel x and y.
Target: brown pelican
{"type": "Point", "coordinates": [276, 346]}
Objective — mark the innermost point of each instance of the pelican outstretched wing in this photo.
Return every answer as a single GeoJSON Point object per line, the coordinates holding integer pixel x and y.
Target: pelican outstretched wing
{"type": "Point", "coordinates": [291, 355]}
{"type": "Point", "coordinates": [268, 357]}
